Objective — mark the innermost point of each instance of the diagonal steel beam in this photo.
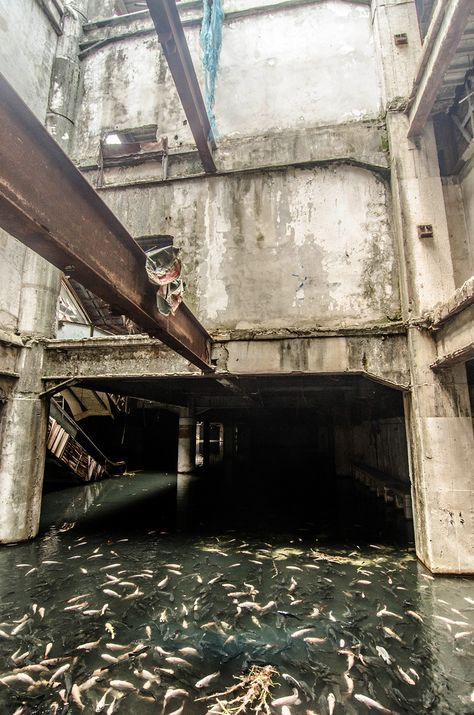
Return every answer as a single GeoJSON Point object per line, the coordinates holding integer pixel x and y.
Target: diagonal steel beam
{"type": "Point", "coordinates": [171, 35]}
{"type": "Point", "coordinates": [46, 203]}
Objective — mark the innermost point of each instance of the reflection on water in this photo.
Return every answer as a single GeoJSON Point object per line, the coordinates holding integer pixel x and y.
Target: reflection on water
{"type": "Point", "coordinates": [133, 609]}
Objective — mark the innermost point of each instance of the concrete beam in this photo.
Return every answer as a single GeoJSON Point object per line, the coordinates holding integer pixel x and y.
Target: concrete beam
{"type": "Point", "coordinates": [455, 340]}
{"type": "Point", "coordinates": [171, 35]}
{"type": "Point", "coordinates": [447, 27]}
{"type": "Point", "coordinates": [378, 354]}
{"type": "Point", "coordinates": [117, 356]}
{"type": "Point", "coordinates": [382, 358]}
{"type": "Point", "coordinates": [46, 203]}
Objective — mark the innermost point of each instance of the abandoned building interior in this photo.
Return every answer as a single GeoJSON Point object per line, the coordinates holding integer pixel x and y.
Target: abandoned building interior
{"type": "Point", "coordinates": [241, 238]}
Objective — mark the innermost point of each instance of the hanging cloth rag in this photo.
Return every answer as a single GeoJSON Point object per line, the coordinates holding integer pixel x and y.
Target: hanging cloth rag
{"type": "Point", "coordinates": [163, 268]}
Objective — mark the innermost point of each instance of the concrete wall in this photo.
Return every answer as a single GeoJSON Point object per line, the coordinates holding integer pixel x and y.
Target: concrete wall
{"type": "Point", "coordinates": [28, 43]}
{"type": "Point", "coordinates": [467, 188]}
{"type": "Point", "coordinates": [382, 445]}
{"type": "Point", "coordinates": [127, 82]}
{"type": "Point", "coordinates": [293, 248]}
{"type": "Point", "coordinates": [27, 48]}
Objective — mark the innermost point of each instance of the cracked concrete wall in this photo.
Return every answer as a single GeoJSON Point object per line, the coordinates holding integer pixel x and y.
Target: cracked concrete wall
{"type": "Point", "coordinates": [289, 248]}
{"type": "Point", "coordinates": [127, 83]}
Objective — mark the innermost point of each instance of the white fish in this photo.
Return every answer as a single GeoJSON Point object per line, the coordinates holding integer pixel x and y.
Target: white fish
{"type": "Point", "coordinates": [204, 682]}
{"type": "Point", "coordinates": [88, 646]}
{"type": "Point", "coordinates": [287, 700]}
{"type": "Point", "coordinates": [462, 634]}
{"type": "Point", "coordinates": [122, 685]}
{"type": "Point", "coordinates": [59, 672]}
{"type": "Point", "coordinates": [331, 703]}
{"type": "Point", "coordinates": [349, 683]}
{"type": "Point", "coordinates": [451, 622]}
{"type": "Point", "coordinates": [78, 598]}
{"type": "Point", "coordinates": [314, 641]}
{"type": "Point", "coordinates": [383, 654]}
{"type": "Point", "coordinates": [415, 615]}
{"type": "Point", "coordinates": [19, 628]}
{"type": "Point", "coordinates": [109, 592]}
{"type": "Point", "coordinates": [369, 703]}
{"type": "Point", "coordinates": [109, 658]}
{"type": "Point", "coordinates": [301, 632]}
{"type": "Point", "coordinates": [100, 704]}
{"type": "Point", "coordinates": [76, 696]}
{"type": "Point", "coordinates": [383, 612]}
{"type": "Point", "coordinates": [47, 650]}
{"type": "Point", "coordinates": [392, 634]}
{"type": "Point", "coordinates": [89, 683]}
{"type": "Point", "coordinates": [163, 583]}
{"type": "Point", "coordinates": [405, 676]}
{"type": "Point", "coordinates": [173, 693]}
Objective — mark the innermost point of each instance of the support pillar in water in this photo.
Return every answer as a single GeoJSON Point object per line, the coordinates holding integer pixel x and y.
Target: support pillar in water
{"type": "Point", "coordinates": [186, 442]}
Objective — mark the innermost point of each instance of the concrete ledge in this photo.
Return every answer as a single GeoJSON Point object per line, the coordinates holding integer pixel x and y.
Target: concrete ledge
{"type": "Point", "coordinates": [359, 143]}
{"type": "Point", "coordinates": [461, 299]}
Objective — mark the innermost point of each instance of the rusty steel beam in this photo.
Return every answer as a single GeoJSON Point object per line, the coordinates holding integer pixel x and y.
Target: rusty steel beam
{"type": "Point", "coordinates": [46, 203]}
{"type": "Point", "coordinates": [171, 35]}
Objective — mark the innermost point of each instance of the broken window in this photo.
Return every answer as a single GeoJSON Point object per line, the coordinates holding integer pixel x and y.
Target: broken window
{"type": "Point", "coordinates": [133, 145]}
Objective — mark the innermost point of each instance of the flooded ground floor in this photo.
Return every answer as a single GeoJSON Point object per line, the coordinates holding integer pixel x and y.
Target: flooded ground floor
{"type": "Point", "coordinates": [155, 593]}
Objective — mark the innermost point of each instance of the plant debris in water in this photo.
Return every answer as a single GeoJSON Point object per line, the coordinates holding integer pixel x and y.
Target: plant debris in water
{"type": "Point", "coordinates": [250, 694]}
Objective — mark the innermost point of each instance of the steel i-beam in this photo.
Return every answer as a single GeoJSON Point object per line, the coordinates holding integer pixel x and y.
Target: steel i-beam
{"type": "Point", "coordinates": [171, 35]}
{"type": "Point", "coordinates": [46, 203]}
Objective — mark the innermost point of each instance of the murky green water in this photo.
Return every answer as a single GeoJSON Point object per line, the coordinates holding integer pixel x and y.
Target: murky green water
{"type": "Point", "coordinates": [121, 576]}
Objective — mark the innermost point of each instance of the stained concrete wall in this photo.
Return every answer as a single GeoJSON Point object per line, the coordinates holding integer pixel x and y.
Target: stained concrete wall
{"type": "Point", "coordinates": [28, 43]}
{"type": "Point", "coordinates": [290, 248]}
{"type": "Point", "coordinates": [127, 83]}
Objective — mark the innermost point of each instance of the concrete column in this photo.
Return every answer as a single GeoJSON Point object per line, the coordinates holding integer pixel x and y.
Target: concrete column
{"type": "Point", "coordinates": [66, 75]}
{"type": "Point", "coordinates": [206, 443]}
{"type": "Point", "coordinates": [186, 443]}
{"type": "Point", "coordinates": [440, 433]}
{"type": "Point", "coordinates": [438, 418]}
{"type": "Point", "coordinates": [23, 429]}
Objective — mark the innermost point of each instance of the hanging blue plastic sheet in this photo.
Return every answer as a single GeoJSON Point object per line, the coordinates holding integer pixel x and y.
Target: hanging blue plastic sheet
{"type": "Point", "coordinates": [211, 41]}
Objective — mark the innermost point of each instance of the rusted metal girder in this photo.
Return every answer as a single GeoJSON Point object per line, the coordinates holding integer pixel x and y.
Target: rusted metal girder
{"type": "Point", "coordinates": [171, 35]}
{"type": "Point", "coordinates": [46, 203]}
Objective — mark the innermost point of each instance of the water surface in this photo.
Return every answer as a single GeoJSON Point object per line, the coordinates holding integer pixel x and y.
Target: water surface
{"type": "Point", "coordinates": [235, 584]}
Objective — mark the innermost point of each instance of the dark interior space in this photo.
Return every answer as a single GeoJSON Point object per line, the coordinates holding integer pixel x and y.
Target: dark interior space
{"type": "Point", "coordinates": [323, 453]}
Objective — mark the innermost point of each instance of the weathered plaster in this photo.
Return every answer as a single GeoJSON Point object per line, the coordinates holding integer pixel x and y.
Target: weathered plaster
{"type": "Point", "coordinates": [256, 91]}
{"type": "Point", "coordinates": [295, 248]}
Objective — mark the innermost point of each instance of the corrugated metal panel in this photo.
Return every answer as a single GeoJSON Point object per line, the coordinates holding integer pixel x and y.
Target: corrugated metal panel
{"type": "Point", "coordinates": [462, 63]}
